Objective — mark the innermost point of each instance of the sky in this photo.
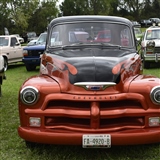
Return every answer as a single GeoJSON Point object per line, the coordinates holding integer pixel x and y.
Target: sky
{"type": "Point", "coordinates": [59, 2]}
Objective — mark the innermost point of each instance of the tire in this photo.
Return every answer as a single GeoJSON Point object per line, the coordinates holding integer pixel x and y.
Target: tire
{"type": "Point", "coordinates": [146, 65]}
{"type": "Point", "coordinates": [0, 91]}
{"type": "Point", "coordinates": [30, 144]}
{"type": "Point", "coordinates": [30, 67]}
{"type": "Point", "coordinates": [1, 80]}
{"type": "Point", "coordinates": [5, 64]}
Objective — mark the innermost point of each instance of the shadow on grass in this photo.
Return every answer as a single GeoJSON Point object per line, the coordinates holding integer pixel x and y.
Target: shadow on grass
{"type": "Point", "coordinates": [15, 65]}
{"type": "Point", "coordinates": [20, 64]}
{"type": "Point", "coordinates": [154, 65]}
{"type": "Point", "coordinates": [136, 152]}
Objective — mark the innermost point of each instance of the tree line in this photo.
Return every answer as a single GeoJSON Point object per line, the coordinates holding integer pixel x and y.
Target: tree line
{"type": "Point", "coordinates": [20, 16]}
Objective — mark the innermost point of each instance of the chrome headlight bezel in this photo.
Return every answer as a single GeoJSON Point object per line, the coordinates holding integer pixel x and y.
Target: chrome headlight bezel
{"type": "Point", "coordinates": [154, 94]}
{"type": "Point", "coordinates": [29, 95]}
{"type": "Point", "coordinates": [25, 52]}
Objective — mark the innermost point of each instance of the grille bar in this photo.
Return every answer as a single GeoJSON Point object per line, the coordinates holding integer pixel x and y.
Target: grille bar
{"type": "Point", "coordinates": [81, 101]}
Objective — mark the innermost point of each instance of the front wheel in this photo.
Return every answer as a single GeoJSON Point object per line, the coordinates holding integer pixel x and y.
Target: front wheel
{"type": "Point", "coordinates": [30, 67]}
{"type": "Point", "coordinates": [30, 144]}
{"type": "Point", "coordinates": [5, 64]}
{"type": "Point", "coordinates": [146, 65]}
{"type": "Point", "coordinates": [0, 91]}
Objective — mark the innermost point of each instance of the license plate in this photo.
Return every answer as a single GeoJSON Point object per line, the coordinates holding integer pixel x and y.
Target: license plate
{"type": "Point", "coordinates": [96, 141]}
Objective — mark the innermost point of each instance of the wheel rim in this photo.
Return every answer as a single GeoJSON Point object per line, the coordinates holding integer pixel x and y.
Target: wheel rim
{"type": "Point", "coordinates": [5, 65]}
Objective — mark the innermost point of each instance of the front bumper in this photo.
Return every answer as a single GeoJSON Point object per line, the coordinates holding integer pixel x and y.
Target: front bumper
{"type": "Point", "coordinates": [152, 58]}
{"type": "Point", "coordinates": [129, 137]}
{"type": "Point", "coordinates": [126, 117]}
{"type": "Point", "coordinates": [29, 61]}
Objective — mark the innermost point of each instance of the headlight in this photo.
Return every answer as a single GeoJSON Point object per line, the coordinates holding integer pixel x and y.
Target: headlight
{"type": "Point", "coordinates": [155, 95]}
{"type": "Point", "coordinates": [25, 53]}
{"type": "Point", "coordinates": [29, 95]}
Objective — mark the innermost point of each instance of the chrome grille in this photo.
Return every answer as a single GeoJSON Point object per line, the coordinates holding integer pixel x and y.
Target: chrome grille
{"type": "Point", "coordinates": [35, 52]}
{"type": "Point", "coordinates": [157, 50]}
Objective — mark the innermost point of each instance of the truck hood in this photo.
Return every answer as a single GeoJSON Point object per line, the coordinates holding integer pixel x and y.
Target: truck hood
{"type": "Point", "coordinates": [86, 66]}
{"type": "Point", "coordinates": [34, 47]}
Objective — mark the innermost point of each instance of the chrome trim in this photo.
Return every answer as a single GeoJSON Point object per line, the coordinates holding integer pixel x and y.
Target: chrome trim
{"type": "Point", "coordinates": [30, 89]}
{"type": "Point", "coordinates": [95, 85]}
{"type": "Point", "coordinates": [152, 94]}
{"type": "Point", "coordinates": [156, 57]}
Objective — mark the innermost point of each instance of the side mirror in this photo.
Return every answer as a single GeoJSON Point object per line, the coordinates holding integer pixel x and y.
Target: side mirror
{"type": "Point", "coordinates": [17, 44]}
{"type": "Point", "coordinates": [138, 41]}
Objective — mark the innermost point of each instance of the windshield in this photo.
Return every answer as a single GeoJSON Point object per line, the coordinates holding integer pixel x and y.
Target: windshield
{"type": "Point", "coordinates": [137, 31]}
{"type": "Point", "coordinates": [4, 41]}
{"type": "Point", "coordinates": [153, 34]}
{"type": "Point", "coordinates": [90, 32]}
{"type": "Point", "coordinates": [42, 39]}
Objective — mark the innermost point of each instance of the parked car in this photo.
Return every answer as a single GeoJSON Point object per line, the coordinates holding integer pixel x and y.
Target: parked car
{"type": "Point", "coordinates": [32, 53]}
{"type": "Point", "coordinates": [146, 23]}
{"type": "Point", "coordinates": [138, 33]}
{"type": "Point", "coordinates": [10, 49]}
{"type": "Point", "coordinates": [150, 46]}
{"type": "Point", "coordinates": [155, 21]}
{"type": "Point", "coordinates": [103, 36]}
{"type": "Point", "coordinates": [136, 24]}
{"type": "Point", "coordinates": [31, 36]}
{"type": "Point", "coordinates": [90, 93]}
{"type": "Point", "coordinates": [2, 73]}
{"type": "Point", "coordinates": [21, 40]}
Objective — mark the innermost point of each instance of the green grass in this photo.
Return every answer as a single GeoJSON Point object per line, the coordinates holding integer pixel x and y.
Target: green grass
{"type": "Point", "coordinates": [12, 147]}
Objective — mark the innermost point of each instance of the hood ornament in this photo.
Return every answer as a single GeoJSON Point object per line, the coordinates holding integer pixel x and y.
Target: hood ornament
{"type": "Point", "coordinates": [95, 86]}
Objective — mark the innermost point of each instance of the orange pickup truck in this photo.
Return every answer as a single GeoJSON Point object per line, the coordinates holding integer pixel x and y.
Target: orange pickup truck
{"type": "Point", "coordinates": [90, 93]}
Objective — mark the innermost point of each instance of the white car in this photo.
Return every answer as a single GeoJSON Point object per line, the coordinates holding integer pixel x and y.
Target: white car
{"type": "Point", "coordinates": [2, 73]}
{"type": "Point", "coordinates": [21, 40]}
{"type": "Point", "coordinates": [10, 49]}
{"type": "Point", "coordinates": [150, 46]}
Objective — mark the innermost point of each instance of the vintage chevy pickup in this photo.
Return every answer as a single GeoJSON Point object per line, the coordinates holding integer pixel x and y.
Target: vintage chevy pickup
{"type": "Point", "coordinates": [10, 49]}
{"type": "Point", "coordinates": [89, 91]}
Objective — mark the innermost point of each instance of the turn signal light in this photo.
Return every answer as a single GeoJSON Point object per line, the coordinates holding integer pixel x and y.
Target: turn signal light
{"type": "Point", "coordinates": [154, 121]}
{"type": "Point", "coordinates": [35, 121]}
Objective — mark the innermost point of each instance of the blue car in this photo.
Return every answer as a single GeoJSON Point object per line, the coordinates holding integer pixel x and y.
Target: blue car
{"type": "Point", "coordinates": [31, 54]}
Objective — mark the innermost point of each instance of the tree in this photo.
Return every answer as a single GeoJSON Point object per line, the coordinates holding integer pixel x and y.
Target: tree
{"type": "Point", "coordinates": [46, 11]}
{"type": "Point", "coordinates": [34, 15]}
{"type": "Point", "coordinates": [132, 7]}
{"type": "Point", "coordinates": [4, 16]}
{"type": "Point", "coordinates": [26, 15]}
{"type": "Point", "coordinates": [17, 12]}
{"type": "Point", "coordinates": [146, 9]}
{"type": "Point", "coordinates": [114, 4]}
{"type": "Point", "coordinates": [71, 7]}
{"type": "Point", "coordinates": [85, 7]}
{"type": "Point", "coordinates": [156, 8]}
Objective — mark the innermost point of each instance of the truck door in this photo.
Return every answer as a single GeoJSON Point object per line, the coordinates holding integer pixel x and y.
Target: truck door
{"type": "Point", "coordinates": [16, 53]}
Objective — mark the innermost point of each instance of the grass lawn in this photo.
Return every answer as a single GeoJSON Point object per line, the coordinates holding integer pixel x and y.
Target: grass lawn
{"type": "Point", "coordinates": [12, 147]}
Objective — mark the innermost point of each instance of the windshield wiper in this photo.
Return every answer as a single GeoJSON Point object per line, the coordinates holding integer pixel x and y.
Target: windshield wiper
{"type": "Point", "coordinates": [82, 45]}
{"type": "Point", "coordinates": [90, 45]}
